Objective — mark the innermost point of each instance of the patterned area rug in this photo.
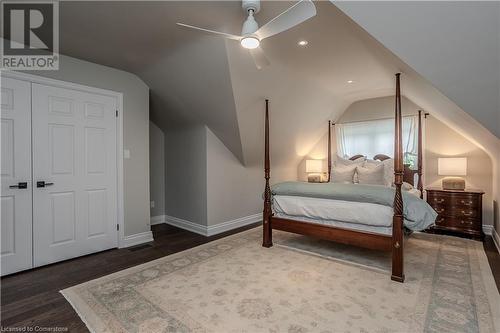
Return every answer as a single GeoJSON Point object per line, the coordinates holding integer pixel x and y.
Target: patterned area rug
{"type": "Point", "coordinates": [235, 285]}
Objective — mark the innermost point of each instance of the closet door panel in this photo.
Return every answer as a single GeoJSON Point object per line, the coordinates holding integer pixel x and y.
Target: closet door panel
{"type": "Point", "coordinates": [16, 185]}
{"type": "Point", "coordinates": [75, 156]}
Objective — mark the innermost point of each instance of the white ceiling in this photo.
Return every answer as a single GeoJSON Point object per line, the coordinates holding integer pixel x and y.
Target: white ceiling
{"type": "Point", "coordinates": [453, 44]}
{"type": "Point", "coordinates": [306, 85]}
{"type": "Point", "coordinates": [198, 78]}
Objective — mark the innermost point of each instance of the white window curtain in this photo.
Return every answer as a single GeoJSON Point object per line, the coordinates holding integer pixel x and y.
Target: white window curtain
{"type": "Point", "coordinates": [373, 137]}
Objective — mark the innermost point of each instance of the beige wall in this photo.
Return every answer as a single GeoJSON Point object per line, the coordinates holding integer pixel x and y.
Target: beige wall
{"type": "Point", "coordinates": [439, 141]}
{"type": "Point", "coordinates": [442, 141]}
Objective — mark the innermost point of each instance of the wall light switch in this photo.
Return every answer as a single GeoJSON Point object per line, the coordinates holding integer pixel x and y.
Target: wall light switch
{"type": "Point", "coordinates": [152, 204]}
{"type": "Point", "coordinates": [126, 153]}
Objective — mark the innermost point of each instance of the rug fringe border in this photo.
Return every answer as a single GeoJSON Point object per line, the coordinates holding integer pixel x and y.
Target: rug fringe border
{"type": "Point", "coordinates": [80, 315]}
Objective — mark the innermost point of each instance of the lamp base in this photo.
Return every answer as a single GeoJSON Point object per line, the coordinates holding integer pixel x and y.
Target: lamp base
{"type": "Point", "coordinates": [453, 184]}
{"type": "Point", "coordinates": [314, 178]}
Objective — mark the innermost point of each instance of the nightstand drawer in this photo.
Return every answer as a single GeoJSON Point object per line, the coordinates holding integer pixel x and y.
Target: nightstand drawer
{"type": "Point", "coordinates": [436, 200]}
{"type": "Point", "coordinates": [463, 223]}
{"type": "Point", "coordinates": [465, 201]}
{"type": "Point", "coordinates": [459, 212]}
{"type": "Point", "coordinates": [440, 209]}
{"type": "Point", "coordinates": [456, 200]}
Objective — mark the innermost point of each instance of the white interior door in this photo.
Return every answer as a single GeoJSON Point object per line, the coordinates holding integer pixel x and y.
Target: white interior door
{"type": "Point", "coordinates": [74, 158]}
{"type": "Point", "coordinates": [16, 254]}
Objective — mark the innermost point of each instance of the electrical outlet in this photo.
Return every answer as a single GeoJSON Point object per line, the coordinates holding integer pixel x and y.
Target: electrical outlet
{"type": "Point", "coordinates": [152, 204]}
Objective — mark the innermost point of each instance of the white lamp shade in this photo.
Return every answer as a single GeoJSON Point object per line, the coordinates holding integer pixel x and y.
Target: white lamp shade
{"type": "Point", "coordinates": [314, 166]}
{"type": "Point", "coordinates": [452, 166]}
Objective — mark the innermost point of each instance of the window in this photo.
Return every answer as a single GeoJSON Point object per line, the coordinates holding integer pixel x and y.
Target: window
{"type": "Point", "coordinates": [374, 137]}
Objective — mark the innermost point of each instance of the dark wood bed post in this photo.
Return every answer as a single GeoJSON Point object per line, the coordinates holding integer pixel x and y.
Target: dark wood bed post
{"type": "Point", "coordinates": [397, 222]}
{"type": "Point", "coordinates": [420, 184]}
{"type": "Point", "coordinates": [267, 239]}
{"type": "Point", "coordinates": [329, 148]}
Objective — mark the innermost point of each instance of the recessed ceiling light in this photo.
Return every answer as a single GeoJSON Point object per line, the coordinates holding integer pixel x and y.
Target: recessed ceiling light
{"type": "Point", "coordinates": [303, 43]}
{"type": "Point", "coordinates": [350, 81]}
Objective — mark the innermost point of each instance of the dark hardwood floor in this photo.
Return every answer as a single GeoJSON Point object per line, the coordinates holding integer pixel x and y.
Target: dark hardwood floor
{"type": "Point", "coordinates": [32, 298]}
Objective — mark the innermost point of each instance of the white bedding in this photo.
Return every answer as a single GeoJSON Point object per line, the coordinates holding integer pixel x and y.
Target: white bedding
{"type": "Point", "coordinates": [338, 213]}
{"type": "Point", "coordinates": [340, 224]}
{"type": "Point", "coordinates": [333, 210]}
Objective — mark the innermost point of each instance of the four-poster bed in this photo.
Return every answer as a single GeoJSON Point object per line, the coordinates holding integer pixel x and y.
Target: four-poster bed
{"type": "Point", "coordinates": [391, 240]}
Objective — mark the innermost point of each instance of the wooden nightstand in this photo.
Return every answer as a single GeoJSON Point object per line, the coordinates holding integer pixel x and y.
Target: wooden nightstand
{"type": "Point", "coordinates": [460, 212]}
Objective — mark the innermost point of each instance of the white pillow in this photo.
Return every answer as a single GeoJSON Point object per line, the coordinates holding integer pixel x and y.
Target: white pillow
{"type": "Point", "coordinates": [371, 163]}
{"type": "Point", "coordinates": [343, 174]}
{"type": "Point", "coordinates": [371, 176]}
{"type": "Point", "coordinates": [388, 165]}
{"type": "Point", "coordinates": [388, 172]}
{"type": "Point", "coordinates": [339, 161]}
{"type": "Point", "coordinates": [407, 186]}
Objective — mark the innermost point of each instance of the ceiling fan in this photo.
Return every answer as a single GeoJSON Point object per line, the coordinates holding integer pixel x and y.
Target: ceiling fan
{"type": "Point", "coordinates": [252, 35]}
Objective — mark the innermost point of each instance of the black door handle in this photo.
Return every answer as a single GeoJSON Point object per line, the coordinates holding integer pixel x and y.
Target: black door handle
{"type": "Point", "coordinates": [20, 185]}
{"type": "Point", "coordinates": [43, 184]}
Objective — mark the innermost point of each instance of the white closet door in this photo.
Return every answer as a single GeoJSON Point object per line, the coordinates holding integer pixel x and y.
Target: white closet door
{"type": "Point", "coordinates": [74, 173]}
{"type": "Point", "coordinates": [16, 171]}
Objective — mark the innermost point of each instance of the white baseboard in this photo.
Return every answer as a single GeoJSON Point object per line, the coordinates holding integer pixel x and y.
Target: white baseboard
{"type": "Point", "coordinates": [186, 225]}
{"type": "Point", "coordinates": [157, 219]}
{"type": "Point", "coordinates": [496, 239]}
{"type": "Point", "coordinates": [136, 239]}
{"type": "Point", "coordinates": [233, 224]}
{"type": "Point", "coordinates": [207, 230]}
{"type": "Point", "coordinates": [488, 229]}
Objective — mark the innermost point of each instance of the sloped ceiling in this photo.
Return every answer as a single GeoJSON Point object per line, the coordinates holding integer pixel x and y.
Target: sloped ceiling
{"type": "Point", "coordinates": [187, 73]}
{"type": "Point", "coordinates": [453, 44]}
{"type": "Point", "coordinates": [198, 78]}
{"type": "Point", "coordinates": [195, 78]}
{"type": "Point", "coordinates": [306, 86]}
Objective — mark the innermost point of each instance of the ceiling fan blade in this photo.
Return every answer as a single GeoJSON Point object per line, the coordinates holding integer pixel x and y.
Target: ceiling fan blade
{"type": "Point", "coordinates": [221, 34]}
{"type": "Point", "coordinates": [259, 58]}
{"type": "Point", "coordinates": [291, 17]}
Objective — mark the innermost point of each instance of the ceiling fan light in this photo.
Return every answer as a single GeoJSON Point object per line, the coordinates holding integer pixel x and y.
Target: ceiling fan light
{"type": "Point", "coordinates": [250, 42]}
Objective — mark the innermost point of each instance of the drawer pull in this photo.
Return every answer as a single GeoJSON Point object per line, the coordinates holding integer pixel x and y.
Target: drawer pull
{"type": "Point", "coordinates": [441, 219]}
{"type": "Point", "coordinates": [465, 222]}
{"type": "Point", "coordinates": [438, 200]}
{"type": "Point", "coordinates": [467, 203]}
{"type": "Point", "coordinates": [467, 213]}
{"type": "Point", "coordinates": [439, 210]}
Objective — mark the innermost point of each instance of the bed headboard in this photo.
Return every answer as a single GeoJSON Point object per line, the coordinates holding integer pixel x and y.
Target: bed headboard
{"type": "Point", "coordinates": [408, 174]}
{"type": "Point", "coordinates": [355, 157]}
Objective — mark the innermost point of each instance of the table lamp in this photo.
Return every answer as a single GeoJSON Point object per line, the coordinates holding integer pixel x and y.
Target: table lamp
{"type": "Point", "coordinates": [452, 166]}
{"type": "Point", "coordinates": [314, 170]}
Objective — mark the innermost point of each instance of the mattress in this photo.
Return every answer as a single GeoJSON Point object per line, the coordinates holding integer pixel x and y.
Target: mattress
{"type": "Point", "coordinates": [340, 224]}
{"type": "Point", "coordinates": [328, 210]}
